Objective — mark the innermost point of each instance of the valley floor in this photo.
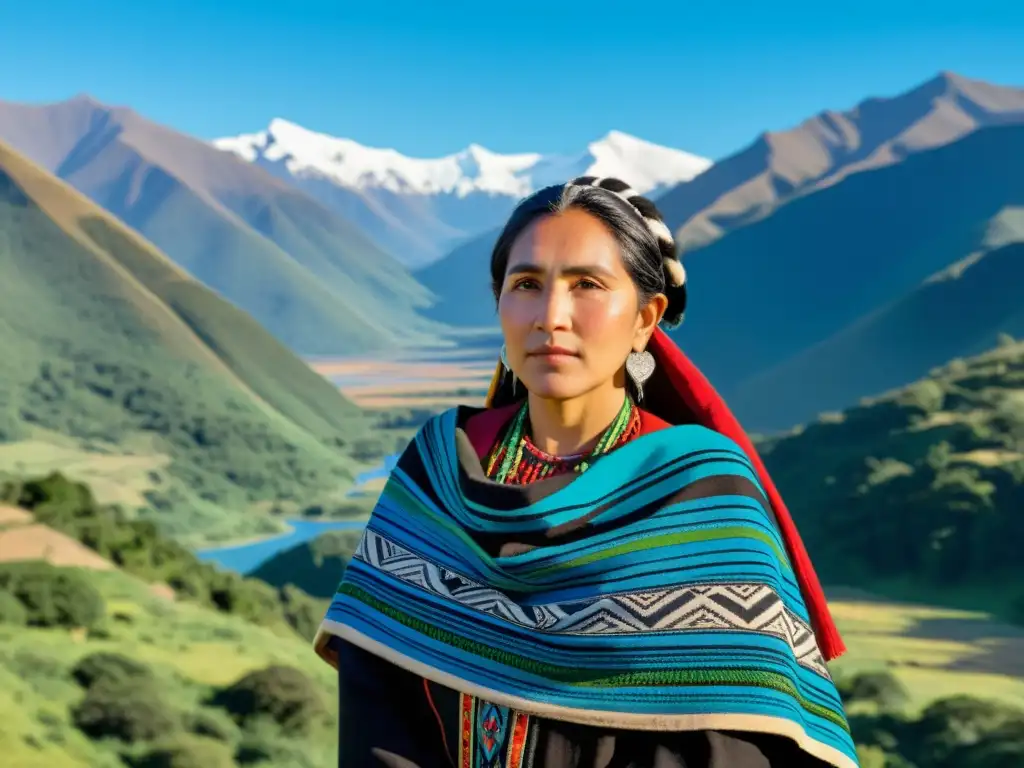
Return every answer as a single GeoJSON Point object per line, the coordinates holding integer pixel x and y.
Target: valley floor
{"type": "Point", "coordinates": [420, 380]}
{"type": "Point", "coordinates": [934, 651]}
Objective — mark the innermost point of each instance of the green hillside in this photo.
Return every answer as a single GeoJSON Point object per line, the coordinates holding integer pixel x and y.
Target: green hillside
{"type": "Point", "coordinates": [164, 668]}
{"type": "Point", "coordinates": [160, 661]}
{"type": "Point", "coordinates": [918, 493]}
{"type": "Point", "coordinates": [123, 370]}
{"type": "Point", "coordinates": [314, 566]}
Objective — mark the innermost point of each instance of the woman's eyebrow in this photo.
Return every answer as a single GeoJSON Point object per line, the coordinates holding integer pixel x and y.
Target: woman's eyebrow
{"type": "Point", "coordinates": [528, 268]}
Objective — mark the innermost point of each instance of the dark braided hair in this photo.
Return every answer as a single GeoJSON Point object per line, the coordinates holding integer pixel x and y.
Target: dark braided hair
{"type": "Point", "coordinates": [648, 249]}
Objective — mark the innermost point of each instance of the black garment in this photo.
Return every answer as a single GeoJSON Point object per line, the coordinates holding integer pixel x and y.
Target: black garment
{"type": "Point", "coordinates": [386, 719]}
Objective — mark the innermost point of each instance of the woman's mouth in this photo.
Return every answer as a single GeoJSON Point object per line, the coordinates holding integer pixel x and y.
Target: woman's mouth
{"type": "Point", "coordinates": [553, 353]}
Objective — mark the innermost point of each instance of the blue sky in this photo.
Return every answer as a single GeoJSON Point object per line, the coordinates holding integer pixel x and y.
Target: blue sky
{"type": "Point", "coordinates": [530, 75]}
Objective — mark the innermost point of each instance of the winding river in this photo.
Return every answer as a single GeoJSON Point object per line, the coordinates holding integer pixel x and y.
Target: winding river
{"type": "Point", "coordinates": [245, 558]}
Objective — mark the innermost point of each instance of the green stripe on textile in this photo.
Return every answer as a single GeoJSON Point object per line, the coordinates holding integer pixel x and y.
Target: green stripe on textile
{"type": "Point", "coordinates": [667, 540]}
{"type": "Point", "coordinates": [599, 678]}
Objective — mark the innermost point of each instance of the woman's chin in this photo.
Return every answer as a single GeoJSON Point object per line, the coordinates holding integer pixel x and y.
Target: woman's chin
{"type": "Point", "coordinates": [556, 386]}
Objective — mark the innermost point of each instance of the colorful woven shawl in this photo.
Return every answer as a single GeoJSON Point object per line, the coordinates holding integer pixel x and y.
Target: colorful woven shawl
{"type": "Point", "coordinates": [668, 601]}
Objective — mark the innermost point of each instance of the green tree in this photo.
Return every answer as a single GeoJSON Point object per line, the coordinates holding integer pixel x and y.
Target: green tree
{"type": "Point", "coordinates": [52, 596]}
{"type": "Point", "coordinates": [880, 688]}
{"type": "Point", "coordinates": [106, 667]}
{"type": "Point", "coordinates": [950, 726]}
{"type": "Point", "coordinates": [189, 752]}
{"type": "Point", "coordinates": [12, 612]}
{"type": "Point", "coordinates": [280, 693]}
{"type": "Point", "coordinates": [128, 711]}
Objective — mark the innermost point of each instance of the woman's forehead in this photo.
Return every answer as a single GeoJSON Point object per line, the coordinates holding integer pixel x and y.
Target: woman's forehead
{"type": "Point", "coordinates": [572, 237]}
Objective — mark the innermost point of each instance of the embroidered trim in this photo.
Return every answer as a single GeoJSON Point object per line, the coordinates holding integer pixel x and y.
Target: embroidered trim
{"type": "Point", "coordinates": [467, 709]}
{"type": "Point", "coordinates": [517, 744]}
{"type": "Point", "coordinates": [488, 732]}
{"type": "Point", "coordinates": [492, 723]}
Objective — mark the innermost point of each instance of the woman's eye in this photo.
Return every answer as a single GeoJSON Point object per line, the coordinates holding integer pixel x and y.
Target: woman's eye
{"type": "Point", "coordinates": [588, 284]}
{"type": "Point", "coordinates": [525, 284]}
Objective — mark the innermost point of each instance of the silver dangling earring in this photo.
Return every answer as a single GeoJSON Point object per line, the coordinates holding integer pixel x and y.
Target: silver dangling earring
{"type": "Point", "coordinates": [508, 368]}
{"type": "Point", "coordinates": [639, 367]}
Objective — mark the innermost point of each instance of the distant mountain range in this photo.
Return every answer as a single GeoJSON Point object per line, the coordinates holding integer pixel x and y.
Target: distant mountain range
{"type": "Point", "coordinates": [827, 262]}
{"type": "Point", "coordinates": [162, 391]}
{"type": "Point", "coordinates": [418, 209]}
{"type": "Point", "coordinates": [310, 276]}
{"type": "Point", "coordinates": [841, 258]}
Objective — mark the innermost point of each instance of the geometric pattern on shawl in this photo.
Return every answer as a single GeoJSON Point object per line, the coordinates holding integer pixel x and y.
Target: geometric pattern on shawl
{"type": "Point", "coordinates": [734, 607]}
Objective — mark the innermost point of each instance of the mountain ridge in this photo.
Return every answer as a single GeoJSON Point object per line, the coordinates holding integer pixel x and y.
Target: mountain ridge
{"type": "Point", "coordinates": [822, 150]}
{"type": "Point", "coordinates": [415, 207]}
{"type": "Point", "coordinates": [312, 278]}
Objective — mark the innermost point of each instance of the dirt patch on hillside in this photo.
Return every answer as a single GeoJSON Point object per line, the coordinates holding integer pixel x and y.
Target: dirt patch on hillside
{"type": "Point", "coordinates": [38, 542]}
{"type": "Point", "coordinates": [10, 516]}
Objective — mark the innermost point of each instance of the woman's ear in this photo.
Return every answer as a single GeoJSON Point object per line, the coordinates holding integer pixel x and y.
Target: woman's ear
{"type": "Point", "coordinates": [648, 320]}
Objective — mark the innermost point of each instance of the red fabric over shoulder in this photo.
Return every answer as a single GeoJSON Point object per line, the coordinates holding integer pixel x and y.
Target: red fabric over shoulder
{"type": "Point", "coordinates": [709, 407]}
{"type": "Point", "coordinates": [651, 423]}
{"type": "Point", "coordinates": [483, 428]}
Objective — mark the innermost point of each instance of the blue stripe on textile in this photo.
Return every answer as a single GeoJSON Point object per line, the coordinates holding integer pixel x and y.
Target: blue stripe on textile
{"type": "Point", "coordinates": [653, 568]}
{"type": "Point", "coordinates": [633, 460]}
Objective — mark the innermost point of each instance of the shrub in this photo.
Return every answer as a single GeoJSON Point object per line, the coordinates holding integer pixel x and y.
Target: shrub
{"type": "Point", "coordinates": [266, 749]}
{"type": "Point", "coordinates": [281, 693]}
{"type": "Point", "coordinates": [189, 752]}
{"type": "Point", "coordinates": [950, 725]}
{"type": "Point", "coordinates": [52, 596]}
{"type": "Point", "coordinates": [213, 724]}
{"type": "Point", "coordinates": [876, 757]}
{"type": "Point", "coordinates": [1003, 748]}
{"type": "Point", "coordinates": [252, 600]}
{"type": "Point", "coordinates": [926, 395]}
{"type": "Point", "coordinates": [107, 667]}
{"type": "Point", "coordinates": [302, 612]}
{"type": "Point", "coordinates": [12, 612]}
{"type": "Point", "coordinates": [127, 711]}
{"type": "Point", "coordinates": [880, 688]}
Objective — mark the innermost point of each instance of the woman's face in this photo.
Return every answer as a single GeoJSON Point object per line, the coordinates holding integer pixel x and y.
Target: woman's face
{"type": "Point", "coordinates": [568, 307]}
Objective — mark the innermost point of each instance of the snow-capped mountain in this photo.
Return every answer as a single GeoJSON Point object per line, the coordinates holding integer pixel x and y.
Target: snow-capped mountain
{"type": "Point", "coordinates": [420, 208]}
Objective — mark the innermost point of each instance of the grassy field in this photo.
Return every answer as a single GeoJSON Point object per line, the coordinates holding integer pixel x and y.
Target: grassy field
{"type": "Point", "coordinates": [115, 478]}
{"type": "Point", "coordinates": [935, 652]}
{"type": "Point", "coordinates": [190, 649]}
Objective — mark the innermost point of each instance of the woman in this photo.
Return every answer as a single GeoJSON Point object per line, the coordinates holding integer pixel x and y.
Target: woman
{"type": "Point", "coordinates": [594, 570]}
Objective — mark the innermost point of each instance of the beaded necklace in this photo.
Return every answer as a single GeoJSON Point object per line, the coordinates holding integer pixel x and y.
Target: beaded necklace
{"type": "Point", "coordinates": [516, 460]}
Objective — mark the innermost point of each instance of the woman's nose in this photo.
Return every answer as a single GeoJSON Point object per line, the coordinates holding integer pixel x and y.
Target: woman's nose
{"type": "Point", "coordinates": [556, 310]}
